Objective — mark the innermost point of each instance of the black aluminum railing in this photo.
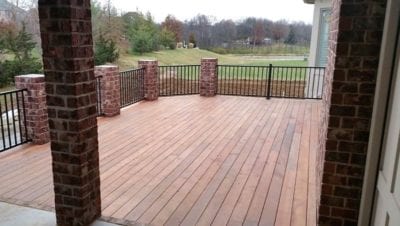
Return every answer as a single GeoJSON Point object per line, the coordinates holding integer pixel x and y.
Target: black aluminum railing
{"type": "Point", "coordinates": [13, 119]}
{"type": "Point", "coordinates": [297, 82]}
{"type": "Point", "coordinates": [242, 80]}
{"type": "Point", "coordinates": [178, 80]}
{"type": "Point", "coordinates": [271, 81]}
{"type": "Point", "coordinates": [132, 86]}
{"type": "Point", "coordinates": [260, 81]}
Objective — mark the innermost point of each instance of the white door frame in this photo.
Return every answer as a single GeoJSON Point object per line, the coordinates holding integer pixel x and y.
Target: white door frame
{"type": "Point", "coordinates": [385, 71]}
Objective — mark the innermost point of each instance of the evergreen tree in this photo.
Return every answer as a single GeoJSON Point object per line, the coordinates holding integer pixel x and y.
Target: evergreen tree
{"type": "Point", "coordinates": [20, 46]}
{"type": "Point", "coordinates": [291, 38]}
{"type": "Point", "coordinates": [142, 32]}
{"type": "Point", "coordinates": [106, 51]}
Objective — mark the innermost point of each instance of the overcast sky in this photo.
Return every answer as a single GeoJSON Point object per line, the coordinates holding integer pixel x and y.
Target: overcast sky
{"type": "Point", "coordinates": [292, 10]}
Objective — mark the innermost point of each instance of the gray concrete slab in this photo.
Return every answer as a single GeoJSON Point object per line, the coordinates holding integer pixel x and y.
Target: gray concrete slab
{"type": "Point", "coordinates": [13, 215]}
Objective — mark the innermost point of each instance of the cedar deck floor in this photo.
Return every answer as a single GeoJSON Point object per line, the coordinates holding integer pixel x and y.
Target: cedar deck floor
{"type": "Point", "coordinates": [192, 160]}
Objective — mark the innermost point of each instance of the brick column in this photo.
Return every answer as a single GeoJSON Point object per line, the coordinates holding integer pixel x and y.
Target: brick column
{"type": "Point", "coordinates": [354, 48]}
{"type": "Point", "coordinates": [109, 89]}
{"type": "Point", "coordinates": [35, 107]}
{"type": "Point", "coordinates": [150, 79]}
{"type": "Point", "coordinates": [66, 32]}
{"type": "Point", "coordinates": [208, 77]}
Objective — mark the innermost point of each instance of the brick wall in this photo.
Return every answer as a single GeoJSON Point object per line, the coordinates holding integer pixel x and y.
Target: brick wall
{"type": "Point", "coordinates": [66, 34]}
{"type": "Point", "coordinates": [354, 47]}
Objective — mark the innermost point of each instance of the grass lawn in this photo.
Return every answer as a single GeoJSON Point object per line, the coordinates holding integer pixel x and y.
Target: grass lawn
{"type": "Point", "coordinates": [193, 56]}
{"type": "Point", "coordinates": [274, 49]}
{"type": "Point", "coordinates": [7, 89]}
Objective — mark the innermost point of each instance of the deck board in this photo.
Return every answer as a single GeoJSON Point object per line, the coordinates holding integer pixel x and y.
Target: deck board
{"type": "Point", "coordinates": [192, 161]}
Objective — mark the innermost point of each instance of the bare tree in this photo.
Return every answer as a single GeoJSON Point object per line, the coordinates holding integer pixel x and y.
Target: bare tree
{"type": "Point", "coordinates": [224, 32]}
{"type": "Point", "coordinates": [280, 30]}
{"type": "Point", "coordinates": [258, 33]}
{"type": "Point", "coordinates": [201, 26]}
{"type": "Point", "coordinates": [173, 25]}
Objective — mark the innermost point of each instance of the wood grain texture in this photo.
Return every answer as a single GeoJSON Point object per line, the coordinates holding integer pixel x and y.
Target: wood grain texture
{"type": "Point", "coordinates": [191, 160]}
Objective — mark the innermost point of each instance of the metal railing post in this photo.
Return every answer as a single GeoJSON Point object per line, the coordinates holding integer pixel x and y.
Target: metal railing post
{"type": "Point", "coordinates": [269, 82]}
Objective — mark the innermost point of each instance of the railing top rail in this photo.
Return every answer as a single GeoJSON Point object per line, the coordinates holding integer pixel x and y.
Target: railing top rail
{"type": "Point", "coordinates": [181, 65]}
{"type": "Point", "coordinates": [232, 65]}
{"type": "Point", "coordinates": [13, 91]}
{"type": "Point", "coordinates": [133, 69]}
{"type": "Point", "coordinates": [266, 66]}
{"type": "Point", "coordinates": [304, 67]}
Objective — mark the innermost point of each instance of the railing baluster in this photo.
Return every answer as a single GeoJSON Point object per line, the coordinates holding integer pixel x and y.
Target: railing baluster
{"type": "Point", "coordinates": [13, 118]}
{"type": "Point", "coordinates": [7, 119]}
{"type": "Point", "coordinates": [19, 115]}
{"type": "Point", "coordinates": [2, 124]}
{"type": "Point", "coordinates": [269, 81]}
{"type": "Point", "coordinates": [25, 121]}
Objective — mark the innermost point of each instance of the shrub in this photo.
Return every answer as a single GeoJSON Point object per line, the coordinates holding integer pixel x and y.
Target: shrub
{"type": "Point", "coordinates": [11, 68]}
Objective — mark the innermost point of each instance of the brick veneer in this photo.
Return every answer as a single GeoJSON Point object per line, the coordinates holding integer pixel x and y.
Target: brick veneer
{"type": "Point", "coordinates": [151, 91]}
{"type": "Point", "coordinates": [71, 97]}
{"type": "Point", "coordinates": [354, 47]}
{"type": "Point", "coordinates": [109, 89]}
{"type": "Point", "coordinates": [208, 77]}
{"type": "Point", "coordinates": [35, 107]}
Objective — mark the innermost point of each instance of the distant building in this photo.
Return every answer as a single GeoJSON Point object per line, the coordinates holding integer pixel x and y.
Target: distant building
{"type": "Point", "coordinates": [268, 41]}
{"type": "Point", "coordinates": [320, 33]}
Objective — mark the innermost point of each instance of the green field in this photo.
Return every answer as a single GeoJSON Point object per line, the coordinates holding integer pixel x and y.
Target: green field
{"type": "Point", "coordinates": [275, 49]}
{"type": "Point", "coordinates": [193, 56]}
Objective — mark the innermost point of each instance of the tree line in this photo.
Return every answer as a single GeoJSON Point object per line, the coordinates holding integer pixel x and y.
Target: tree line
{"type": "Point", "coordinates": [142, 34]}
{"type": "Point", "coordinates": [137, 32]}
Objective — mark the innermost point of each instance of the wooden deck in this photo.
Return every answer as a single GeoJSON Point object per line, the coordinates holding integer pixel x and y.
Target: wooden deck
{"type": "Point", "coordinates": [190, 160]}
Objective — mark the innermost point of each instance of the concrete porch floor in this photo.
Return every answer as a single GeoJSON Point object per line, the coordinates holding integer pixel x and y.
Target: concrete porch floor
{"type": "Point", "coordinates": [25, 216]}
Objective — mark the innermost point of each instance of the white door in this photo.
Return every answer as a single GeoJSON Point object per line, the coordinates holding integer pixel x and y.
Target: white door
{"type": "Point", "coordinates": [387, 198]}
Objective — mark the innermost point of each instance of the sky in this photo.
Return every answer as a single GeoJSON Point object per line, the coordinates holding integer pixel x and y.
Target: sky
{"type": "Point", "coordinates": [291, 10]}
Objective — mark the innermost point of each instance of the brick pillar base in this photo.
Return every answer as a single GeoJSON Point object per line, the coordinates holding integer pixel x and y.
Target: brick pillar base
{"type": "Point", "coordinates": [208, 77]}
{"type": "Point", "coordinates": [109, 89]}
{"type": "Point", "coordinates": [150, 79]}
{"type": "Point", "coordinates": [35, 107]}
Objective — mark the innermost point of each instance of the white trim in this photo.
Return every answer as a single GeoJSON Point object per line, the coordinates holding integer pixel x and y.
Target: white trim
{"type": "Point", "coordinates": [387, 55]}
